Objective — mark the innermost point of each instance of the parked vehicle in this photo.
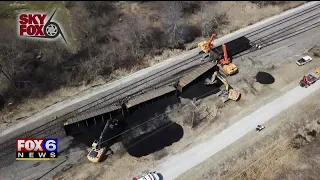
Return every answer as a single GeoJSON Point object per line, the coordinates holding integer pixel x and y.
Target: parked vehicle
{"type": "Point", "coordinates": [304, 60]}
{"type": "Point", "coordinates": [309, 79]}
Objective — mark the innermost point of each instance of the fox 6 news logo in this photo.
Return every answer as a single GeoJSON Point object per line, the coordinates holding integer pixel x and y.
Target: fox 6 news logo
{"type": "Point", "coordinates": [38, 145]}
{"type": "Point", "coordinates": [36, 148]}
{"type": "Point", "coordinates": [35, 25]}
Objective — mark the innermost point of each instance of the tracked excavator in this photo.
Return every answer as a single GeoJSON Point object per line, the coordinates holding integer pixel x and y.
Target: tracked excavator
{"type": "Point", "coordinates": [222, 60]}
{"type": "Point", "coordinates": [98, 149]}
{"type": "Point", "coordinates": [206, 46]}
{"type": "Point", "coordinates": [228, 92]}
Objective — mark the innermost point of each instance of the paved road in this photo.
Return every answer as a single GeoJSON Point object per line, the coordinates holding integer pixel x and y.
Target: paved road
{"type": "Point", "coordinates": [180, 163]}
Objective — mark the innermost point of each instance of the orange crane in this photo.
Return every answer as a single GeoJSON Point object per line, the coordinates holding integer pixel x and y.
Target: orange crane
{"type": "Point", "coordinates": [224, 64]}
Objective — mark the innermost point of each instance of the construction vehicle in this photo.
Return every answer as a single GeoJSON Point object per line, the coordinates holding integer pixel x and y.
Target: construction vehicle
{"type": "Point", "coordinates": [228, 92]}
{"type": "Point", "coordinates": [98, 150]}
{"type": "Point", "coordinates": [222, 60]}
{"type": "Point", "coordinates": [317, 71]}
{"type": "Point", "coordinates": [206, 46]}
{"type": "Point", "coordinates": [225, 65]}
{"type": "Point", "coordinates": [309, 79]}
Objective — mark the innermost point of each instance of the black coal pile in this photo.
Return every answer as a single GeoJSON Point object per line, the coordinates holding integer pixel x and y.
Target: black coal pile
{"type": "Point", "coordinates": [264, 78]}
{"type": "Point", "coordinates": [2, 102]}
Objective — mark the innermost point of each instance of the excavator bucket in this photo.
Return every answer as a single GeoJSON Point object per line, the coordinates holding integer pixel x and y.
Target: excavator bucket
{"type": "Point", "coordinates": [230, 68]}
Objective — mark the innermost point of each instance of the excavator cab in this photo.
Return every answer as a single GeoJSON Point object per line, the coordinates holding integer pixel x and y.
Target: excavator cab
{"type": "Point", "coordinates": [228, 69]}
{"type": "Point", "coordinates": [96, 153]}
{"type": "Point", "coordinates": [98, 150]}
{"type": "Point", "coordinates": [202, 46]}
{"type": "Point", "coordinates": [206, 46]}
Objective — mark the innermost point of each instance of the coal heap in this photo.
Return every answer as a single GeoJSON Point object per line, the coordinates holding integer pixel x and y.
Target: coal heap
{"type": "Point", "coordinates": [264, 78]}
{"type": "Point", "coordinates": [2, 102]}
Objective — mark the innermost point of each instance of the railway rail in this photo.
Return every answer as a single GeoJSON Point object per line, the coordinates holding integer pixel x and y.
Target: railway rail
{"type": "Point", "coordinates": [274, 37]}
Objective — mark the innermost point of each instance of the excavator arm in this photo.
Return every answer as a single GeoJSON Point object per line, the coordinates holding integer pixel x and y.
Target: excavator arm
{"type": "Point", "coordinates": [232, 94]}
{"type": "Point", "coordinates": [210, 44]}
{"type": "Point", "coordinates": [98, 150]}
{"type": "Point", "coordinates": [223, 80]}
{"type": "Point", "coordinates": [225, 65]}
{"type": "Point", "coordinates": [206, 46]}
{"type": "Point", "coordinates": [99, 142]}
{"type": "Point", "coordinates": [225, 55]}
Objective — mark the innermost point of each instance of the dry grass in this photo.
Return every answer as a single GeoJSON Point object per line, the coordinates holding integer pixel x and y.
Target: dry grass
{"type": "Point", "coordinates": [294, 148]}
{"type": "Point", "coordinates": [10, 114]}
{"type": "Point", "coordinates": [284, 159]}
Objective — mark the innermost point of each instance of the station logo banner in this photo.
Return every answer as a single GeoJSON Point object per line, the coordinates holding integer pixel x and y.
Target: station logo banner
{"type": "Point", "coordinates": [40, 26]}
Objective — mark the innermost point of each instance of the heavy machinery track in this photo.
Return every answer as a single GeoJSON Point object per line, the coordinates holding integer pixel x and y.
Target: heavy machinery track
{"type": "Point", "coordinates": [54, 128]}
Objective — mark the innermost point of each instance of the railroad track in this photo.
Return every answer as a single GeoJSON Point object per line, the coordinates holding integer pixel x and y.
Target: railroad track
{"type": "Point", "coordinates": [273, 37]}
{"type": "Point", "coordinates": [54, 127]}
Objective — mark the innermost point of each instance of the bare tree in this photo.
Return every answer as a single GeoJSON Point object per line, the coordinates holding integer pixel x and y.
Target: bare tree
{"type": "Point", "coordinates": [171, 17]}
{"type": "Point", "coordinates": [211, 19]}
{"type": "Point", "coordinates": [135, 34]}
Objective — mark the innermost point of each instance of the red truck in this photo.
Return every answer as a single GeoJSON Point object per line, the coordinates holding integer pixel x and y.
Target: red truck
{"type": "Point", "coordinates": [309, 79]}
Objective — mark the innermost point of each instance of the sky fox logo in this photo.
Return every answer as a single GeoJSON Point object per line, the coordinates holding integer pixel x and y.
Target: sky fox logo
{"type": "Point", "coordinates": [35, 25]}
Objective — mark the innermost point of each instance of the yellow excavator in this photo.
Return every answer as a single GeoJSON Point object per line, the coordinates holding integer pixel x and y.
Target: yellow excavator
{"type": "Point", "coordinates": [317, 71]}
{"type": "Point", "coordinates": [98, 150]}
{"type": "Point", "coordinates": [229, 92]}
{"type": "Point", "coordinates": [206, 46]}
{"type": "Point", "coordinates": [224, 64]}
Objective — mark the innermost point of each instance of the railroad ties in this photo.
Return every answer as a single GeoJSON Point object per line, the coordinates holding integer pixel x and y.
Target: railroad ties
{"type": "Point", "coordinates": [149, 95]}
{"type": "Point", "coordinates": [89, 114]}
{"type": "Point", "coordinates": [234, 47]}
{"type": "Point", "coordinates": [143, 97]}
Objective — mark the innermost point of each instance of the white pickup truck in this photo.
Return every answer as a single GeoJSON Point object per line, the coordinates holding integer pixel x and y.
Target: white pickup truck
{"type": "Point", "coordinates": [304, 60]}
{"type": "Point", "coordinates": [150, 176]}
